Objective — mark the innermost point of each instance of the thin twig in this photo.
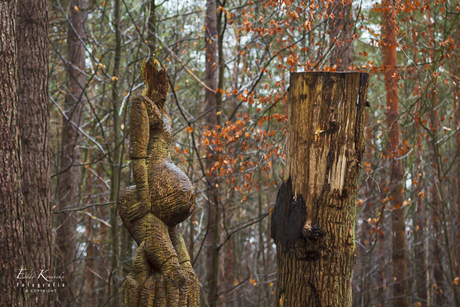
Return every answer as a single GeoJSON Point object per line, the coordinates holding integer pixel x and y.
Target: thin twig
{"type": "Point", "coordinates": [83, 208]}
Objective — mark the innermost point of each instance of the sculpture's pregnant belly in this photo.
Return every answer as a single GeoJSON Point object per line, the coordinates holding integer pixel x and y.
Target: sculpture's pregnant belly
{"type": "Point", "coordinates": [171, 192]}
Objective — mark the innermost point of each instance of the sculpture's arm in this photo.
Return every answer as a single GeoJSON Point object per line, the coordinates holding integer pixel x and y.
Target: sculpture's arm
{"type": "Point", "coordinates": [139, 131]}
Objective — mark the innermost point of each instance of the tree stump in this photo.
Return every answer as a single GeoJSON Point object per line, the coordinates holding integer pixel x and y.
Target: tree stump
{"type": "Point", "coordinates": [313, 222]}
{"type": "Point", "coordinates": [163, 197]}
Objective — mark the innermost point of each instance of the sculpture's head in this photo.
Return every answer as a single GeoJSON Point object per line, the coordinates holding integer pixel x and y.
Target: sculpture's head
{"type": "Point", "coordinates": [156, 81]}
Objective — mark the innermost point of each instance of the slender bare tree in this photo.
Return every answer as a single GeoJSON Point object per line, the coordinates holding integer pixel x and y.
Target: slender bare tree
{"type": "Point", "coordinates": [211, 80]}
{"type": "Point", "coordinates": [70, 173]}
{"type": "Point", "coordinates": [400, 287]}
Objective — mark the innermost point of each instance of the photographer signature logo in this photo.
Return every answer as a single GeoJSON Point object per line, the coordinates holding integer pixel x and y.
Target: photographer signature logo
{"type": "Point", "coordinates": [39, 281]}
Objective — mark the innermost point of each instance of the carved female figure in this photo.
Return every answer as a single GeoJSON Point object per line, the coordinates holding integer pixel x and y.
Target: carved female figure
{"type": "Point", "coordinates": [162, 198]}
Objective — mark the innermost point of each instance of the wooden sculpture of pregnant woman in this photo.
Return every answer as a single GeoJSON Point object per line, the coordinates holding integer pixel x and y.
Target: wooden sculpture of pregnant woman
{"type": "Point", "coordinates": [163, 197]}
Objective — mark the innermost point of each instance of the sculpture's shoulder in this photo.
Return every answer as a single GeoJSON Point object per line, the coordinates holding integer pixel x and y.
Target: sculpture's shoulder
{"type": "Point", "coordinates": [154, 113]}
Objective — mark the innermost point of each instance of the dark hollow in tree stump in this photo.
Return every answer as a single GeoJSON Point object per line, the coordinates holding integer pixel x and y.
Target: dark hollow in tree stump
{"type": "Point", "coordinates": [313, 220]}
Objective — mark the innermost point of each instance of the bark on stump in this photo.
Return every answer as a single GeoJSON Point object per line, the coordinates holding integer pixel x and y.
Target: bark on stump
{"type": "Point", "coordinates": [313, 223]}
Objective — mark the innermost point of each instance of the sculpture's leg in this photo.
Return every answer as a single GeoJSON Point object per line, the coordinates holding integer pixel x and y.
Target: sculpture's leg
{"type": "Point", "coordinates": [131, 290]}
{"type": "Point", "coordinates": [193, 294]}
{"type": "Point", "coordinates": [162, 255]}
{"type": "Point", "coordinates": [135, 280]}
{"type": "Point", "coordinates": [160, 294]}
{"type": "Point", "coordinates": [153, 293]}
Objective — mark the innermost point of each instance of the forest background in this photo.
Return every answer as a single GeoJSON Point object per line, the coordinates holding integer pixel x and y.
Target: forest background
{"type": "Point", "coordinates": [228, 64]}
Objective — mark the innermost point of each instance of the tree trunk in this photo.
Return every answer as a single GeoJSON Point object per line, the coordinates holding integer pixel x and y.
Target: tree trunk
{"type": "Point", "coordinates": [420, 253]}
{"type": "Point", "coordinates": [211, 79]}
{"type": "Point", "coordinates": [435, 201]}
{"type": "Point", "coordinates": [260, 260]}
{"type": "Point", "coordinates": [399, 256]}
{"type": "Point", "coordinates": [12, 255]}
{"type": "Point", "coordinates": [439, 270]}
{"type": "Point", "coordinates": [420, 234]}
{"type": "Point", "coordinates": [313, 223]}
{"type": "Point", "coordinates": [228, 278]}
{"type": "Point", "coordinates": [102, 283]}
{"type": "Point", "coordinates": [152, 25]}
{"type": "Point", "coordinates": [457, 221]}
{"type": "Point", "coordinates": [364, 259]}
{"type": "Point", "coordinates": [342, 30]}
{"type": "Point", "coordinates": [382, 258]}
{"type": "Point", "coordinates": [32, 89]}
{"type": "Point", "coordinates": [32, 44]}
{"type": "Point", "coordinates": [90, 292]}
{"type": "Point", "coordinates": [116, 164]}
{"type": "Point", "coordinates": [69, 179]}
{"type": "Point", "coordinates": [456, 101]}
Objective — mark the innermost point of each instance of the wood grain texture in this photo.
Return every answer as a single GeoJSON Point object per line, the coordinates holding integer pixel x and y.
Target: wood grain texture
{"type": "Point", "coordinates": [162, 198]}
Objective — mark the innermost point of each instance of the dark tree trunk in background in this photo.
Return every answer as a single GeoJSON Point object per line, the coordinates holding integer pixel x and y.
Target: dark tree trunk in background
{"type": "Point", "coordinates": [313, 223]}
{"type": "Point", "coordinates": [419, 235]}
{"type": "Point", "coordinates": [211, 79]}
{"type": "Point", "coordinates": [101, 284]}
{"type": "Point", "coordinates": [152, 27]}
{"type": "Point", "coordinates": [456, 98]}
{"type": "Point", "coordinates": [12, 255]}
{"type": "Point", "coordinates": [342, 29]}
{"type": "Point", "coordinates": [364, 259]}
{"type": "Point", "coordinates": [457, 221]}
{"type": "Point", "coordinates": [115, 281]}
{"type": "Point", "coordinates": [398, 216]}
{"type": "Point", "coordinates": [69, 178]}
{"type": "Point", "coordinates": [438, 265]}
{"type": "Point", "coordinates": [420, 252]}
{"type": "Point", "coordinates": [32, 44]}
{"type": "Point", "coordinates": [89, 291]}
{"type": "Point", "coordinates": [442, 269]}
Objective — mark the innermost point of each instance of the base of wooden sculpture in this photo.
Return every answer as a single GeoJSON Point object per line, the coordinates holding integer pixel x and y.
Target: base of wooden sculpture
{"type": "Point", "coordinates": [143, 286]}
{"type": "Point", "coordinates": [162, 274]}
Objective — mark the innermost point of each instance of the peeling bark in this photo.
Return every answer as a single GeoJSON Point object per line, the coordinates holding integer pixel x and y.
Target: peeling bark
{"type": "Point", "coordinates": [313, 223]}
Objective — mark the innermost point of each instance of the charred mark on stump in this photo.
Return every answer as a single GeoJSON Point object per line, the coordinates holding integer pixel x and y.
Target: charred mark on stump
{"type": "Point", "coordinates": [288, 224]}
{"type": "Point", "coordinates": [288, 217]}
